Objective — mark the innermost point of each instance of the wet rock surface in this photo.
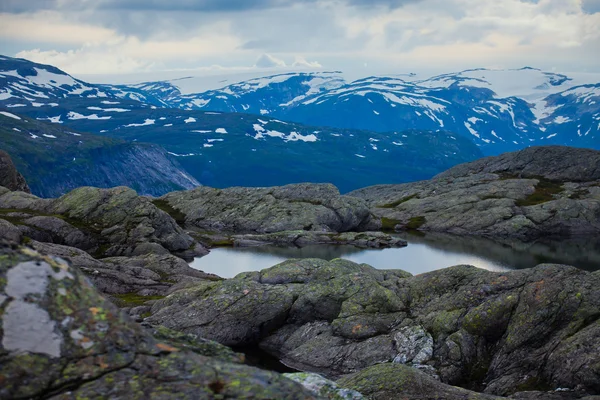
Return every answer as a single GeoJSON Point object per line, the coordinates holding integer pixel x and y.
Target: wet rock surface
{"type": "Point", "coordinates": [103, 222]}
{"type": "Point", "coordinates": [498, 333]}
{"type": "Point", "coordinates": [303, 238]}
{"type": "Point", "coordinates": [61, 340]}
{"type": "Point", "coordinates": [539, 191]}
{"type": "Point", "coordinates": [306, 206]}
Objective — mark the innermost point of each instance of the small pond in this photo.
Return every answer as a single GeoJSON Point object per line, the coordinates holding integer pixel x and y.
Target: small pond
{"type": "Point", "coordinates": [424, 253]}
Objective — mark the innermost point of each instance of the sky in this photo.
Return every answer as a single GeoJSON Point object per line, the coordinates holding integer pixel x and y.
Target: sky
{"type": "Point", "coordinates": [359, 37]}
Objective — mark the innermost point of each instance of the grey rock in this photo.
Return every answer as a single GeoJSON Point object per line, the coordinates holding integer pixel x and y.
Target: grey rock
{"type": "Point", "coordinates": [104, 222]}
{"type": "Point", "coordinates": [309, 207]}
{"type": "Point", "coordinates": [557, 163]}
{"type": "Point", "coordinates": [322, 387]}
{"type": "Point", "coordinates": [391, 381]}
{"type": "Point", "coordinates": [9, 232]}
{"type": "Point", "coordinates": [10, 178]}
{"type": "Point", "coordinates": [527, 194]}
{"type": "Point", "coordinates": [414, 345]}
{"type": "Point", "coordinates": [489, 331]}
{"type": "Point", "coordinates": [62, 340]}
{"type": "Point", "coordinates": [302, 239]}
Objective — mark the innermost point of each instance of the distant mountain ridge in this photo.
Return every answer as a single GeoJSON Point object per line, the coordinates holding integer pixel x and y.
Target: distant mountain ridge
{"type": "Point", "coordinates": [500, 110]}
{"type": "Point", "coordinates": [223, 149]}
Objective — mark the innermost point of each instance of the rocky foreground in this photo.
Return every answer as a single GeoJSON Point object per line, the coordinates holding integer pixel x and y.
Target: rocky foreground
{"type": "Point", "coordinates": [458, 333]}
{"type": "Point", "coordinates": [381, 334]}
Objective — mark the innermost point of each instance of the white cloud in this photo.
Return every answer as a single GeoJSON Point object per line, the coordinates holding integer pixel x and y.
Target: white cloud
{"type": "Point", "coordinates": [301, 62]}
{"type": "Point", "coordinates": [268, 61]}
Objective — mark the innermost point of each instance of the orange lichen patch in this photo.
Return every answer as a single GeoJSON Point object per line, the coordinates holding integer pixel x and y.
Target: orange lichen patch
{"type": "Point", "coordinates": [538, 288]}
{"type": "Point", "coordinates": [166, 347]}
{"type": "Point", "coordinates": [94, 310]}
{"type": "Point", "coordinates": [357, 328]}
{"type": "Point", "coordinates": [501, 279]}
{"type": "Point", "coordinates": [101, 363]}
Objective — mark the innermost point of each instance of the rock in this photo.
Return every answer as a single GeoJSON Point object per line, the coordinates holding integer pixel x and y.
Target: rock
{"type": "Point", "coordinates": [555, 163]}
{"type": "Point", "coordinates": [10, 178]}
{"type": "Point", "coordinates": [309, 207]}
{"type": "Point", "coordinates": [61, 340]}
{"type": "Point", "coordinates": [129, 280]}
{"type": "Point", "coordinates": [104, 222]}
{"type": "Point", "coordinates": [323, 387]}
{"type": "Point", "coordinates": [536, 192]}
{"type": "Point", "coordinates": [414, 345]}
{"type": "Point", "coordinates": [303, 238]}
{"type": "Point", "coordinates": [394, 381]}
{"type": "Point", "coordinates": [496, 332]}
{"type": "Point", "coordinates": [9, 232]}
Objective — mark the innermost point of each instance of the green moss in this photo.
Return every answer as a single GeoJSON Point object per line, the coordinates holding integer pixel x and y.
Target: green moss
{"type": "Point", "coordinates": [533, 383]}
{"type": "Point", "coordinates": [544, 192]}
{"type": "Point", "coordinates": [165, 206]}
{"type": "Point", "coordinates": [415, 223]}
{"type": "Point", "coordinates": [398, 202]}
{"type": "Point", "coordinates": [133, 299]}
{"type": "Point", "coordinates": [222, 243]}
{"type": "Point", "coordinates": [388, 224]}
{"type": "Point", "coordinates": [578, 194]}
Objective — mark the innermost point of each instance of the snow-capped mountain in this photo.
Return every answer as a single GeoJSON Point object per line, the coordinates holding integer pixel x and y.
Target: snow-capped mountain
{"type": "Point", "coordinates": [225, 149]}
{"type": "Point", "coordinates": [500, 110]}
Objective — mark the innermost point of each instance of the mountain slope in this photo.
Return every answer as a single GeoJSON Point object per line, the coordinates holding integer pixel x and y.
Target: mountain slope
{"type": "Point", "coordinates": [231, 149]}
{"type": "Point", "coordinates": [55, 160]}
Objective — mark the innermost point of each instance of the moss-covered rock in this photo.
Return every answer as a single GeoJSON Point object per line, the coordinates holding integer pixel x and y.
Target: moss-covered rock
{"type": "Point", "coordinates": [60, 339]}
{"type": "Point", "coordinates": [309, 207]}
{"type": "Point", "coordinates": [486, 331]}
{"type": "Point", "coordinates": [390, 381]}
{"type": "Point", "coordinates": [103, 222]}
{"type": "Point", "coordinates": [535, 192]}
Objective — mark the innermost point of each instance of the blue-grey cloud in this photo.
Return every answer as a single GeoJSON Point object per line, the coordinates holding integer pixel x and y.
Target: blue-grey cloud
{"type": "Point", "coordinates": [591, 6]}
{"type": "Point", "coordinates": [20, 6]}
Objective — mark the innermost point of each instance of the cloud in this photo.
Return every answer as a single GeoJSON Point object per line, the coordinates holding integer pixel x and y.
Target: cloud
{"type": "Point", "coordinates": [397, 35]}
{"type": "Point", "coordinates": [268, 61]}
{"type": "Point", "coordinates": [300, 62]}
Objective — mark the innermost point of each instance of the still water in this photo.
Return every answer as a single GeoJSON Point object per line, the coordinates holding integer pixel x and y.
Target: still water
{"type": "Point", "coordinates": [424, 253]}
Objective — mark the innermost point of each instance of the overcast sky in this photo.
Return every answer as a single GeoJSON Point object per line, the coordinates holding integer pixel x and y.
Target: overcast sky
{"type": "Point", "coordinates": [359, 36]}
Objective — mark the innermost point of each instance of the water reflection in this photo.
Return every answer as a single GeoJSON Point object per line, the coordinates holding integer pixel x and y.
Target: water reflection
{"type": "Point", "coordinates": [424, 253]}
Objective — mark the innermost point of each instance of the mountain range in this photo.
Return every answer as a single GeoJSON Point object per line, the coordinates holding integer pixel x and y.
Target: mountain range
{"type": "Point", "coordinates": [294, 127]}
{"type": "Point", "coordinates": [214, 148]}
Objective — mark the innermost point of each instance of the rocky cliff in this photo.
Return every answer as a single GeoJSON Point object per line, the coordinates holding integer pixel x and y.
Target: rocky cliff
{"type": "Point", "coordinates": [10, 178]}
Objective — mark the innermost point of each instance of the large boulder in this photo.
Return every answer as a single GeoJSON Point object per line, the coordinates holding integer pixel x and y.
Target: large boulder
{"type": "Point", "coordinates": [310, 207]}
{"type": "Point", "coordinates": [495, 332]}
{"type": "Point", "coordinates": [61, 340]}
{"type": "Point", "coordinates": [543, 191]}
{"type": "Point", "coordinates": [10, 178]}
{"type": "Point", "coordinates": [103, 222]}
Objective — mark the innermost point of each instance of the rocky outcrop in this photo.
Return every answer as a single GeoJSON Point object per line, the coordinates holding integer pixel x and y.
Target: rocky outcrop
{"type": "Point", "coordinates": [555, 163]}
{"type": "Point", "coordinates": [10, 178]}
{"type": "Point", "coordinates": [390, 380]}
{"type": "Point", "coordinates": [500, 333]}
{"type": "Point", "coordinates": [309, 207]}
{"type": "Point", "coordinates": [539, 191]}
{"type": "Point", "coordinates": [374, 240]}
{"type": "Point", "coordinates": [103, 222]}
{"type": "Point", "coordinates": [61, 340]}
